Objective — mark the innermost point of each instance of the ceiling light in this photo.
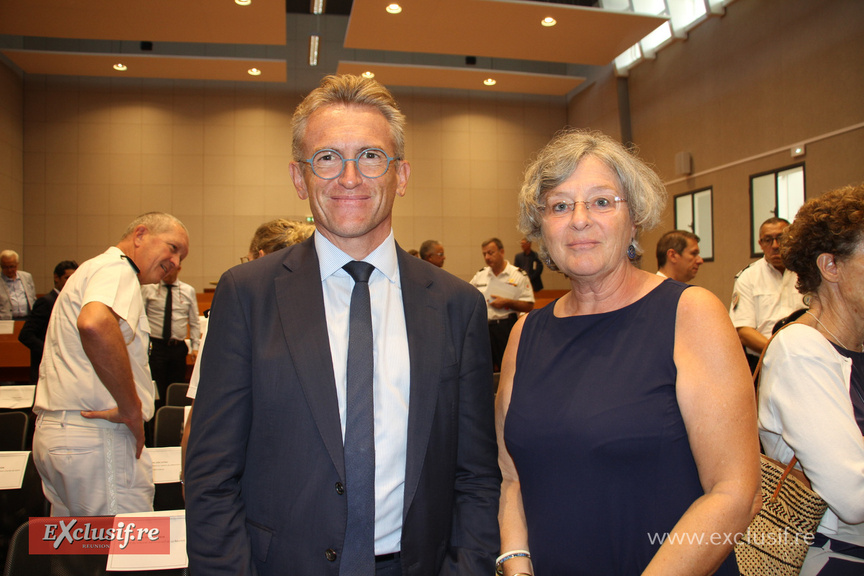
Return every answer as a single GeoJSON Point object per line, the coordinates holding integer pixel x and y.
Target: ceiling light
{"type": "Point", "coordinates": [548, 21]}
{"type": "Point", "coordinates": [394, 8]}
{"type": "Point", "coordinates": [490, 81]}
{"type": "Point", "coordinates": [314, 41]}
{"type": "Point", "coordinates": [368, 74]}
{"type": "Point", "coordinates": [243, 2]}
{"type": "Point", "coordinates": [317, 6]}
{"type": "Point", "coordinates": [254, 72]}
{"type": "Point", "coordinates": [120, 67]}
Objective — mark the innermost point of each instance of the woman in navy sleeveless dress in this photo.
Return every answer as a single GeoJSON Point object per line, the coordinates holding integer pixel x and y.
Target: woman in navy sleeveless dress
{"type": "Point", "coordinates": [626, 417]}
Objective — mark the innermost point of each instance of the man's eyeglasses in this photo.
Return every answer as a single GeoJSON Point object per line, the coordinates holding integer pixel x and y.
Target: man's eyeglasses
{"type": "Point", "coordinates": [602, 204]}
{"type": "Point", "coordinates": [329, 164]}
{"type": "Point", "coordinates": [769, 240]}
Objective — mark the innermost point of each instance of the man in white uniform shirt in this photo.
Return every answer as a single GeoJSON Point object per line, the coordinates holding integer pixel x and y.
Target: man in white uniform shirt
{"type": "Point", "coordinates": [507, 290]}
{"type": "Point", "coordinates": [94, 392]}
{"type": "Point", "coordinates": [764, 293]}
{"type": "Point", "coordinates": [168, 349]}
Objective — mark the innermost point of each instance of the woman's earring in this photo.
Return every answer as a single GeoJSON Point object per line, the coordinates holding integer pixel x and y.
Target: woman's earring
{"type": "Point", "coordinates": [631, 252]}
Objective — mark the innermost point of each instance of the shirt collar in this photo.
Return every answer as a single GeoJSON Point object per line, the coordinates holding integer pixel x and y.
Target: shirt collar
{"type": "Point", "coordinates": [331, 259]}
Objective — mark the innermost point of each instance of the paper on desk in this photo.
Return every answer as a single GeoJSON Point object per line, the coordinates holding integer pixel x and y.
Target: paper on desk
{"type": "Point", "coordinates": [166, 464]}
{"type": "Point", "coordinates": [175, 559]}
{"type": "Point", "coordinates": [12, 466]}
{"type": "Point", "coordinates": [7, 326]}
{"type": "Point", "coordinates": [17, 396]}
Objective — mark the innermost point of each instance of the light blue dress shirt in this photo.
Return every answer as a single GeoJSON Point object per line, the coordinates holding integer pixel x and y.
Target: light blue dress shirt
{"type": "Point", "coordinates": [392, 372]}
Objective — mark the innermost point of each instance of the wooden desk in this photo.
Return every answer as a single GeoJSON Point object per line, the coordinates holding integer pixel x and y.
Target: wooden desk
{"type": "Point", "coordinates": [14, 357]}
{"type": "Point", "coordinates": [544, 297]}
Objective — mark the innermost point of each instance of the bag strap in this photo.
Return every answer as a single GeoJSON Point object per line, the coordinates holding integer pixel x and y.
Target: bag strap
{"type": "Point", "coordinates": [756, 381]}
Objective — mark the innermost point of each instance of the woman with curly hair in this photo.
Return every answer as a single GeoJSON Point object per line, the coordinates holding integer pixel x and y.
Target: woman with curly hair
{"type": "Point", "coordinates": [811, 397]}
{"type": "Point", "coordinates": [625, 416]}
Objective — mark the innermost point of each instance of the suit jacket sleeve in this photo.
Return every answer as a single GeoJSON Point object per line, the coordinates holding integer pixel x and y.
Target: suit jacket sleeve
{"type": "Point", "coordinates": [217, 541]}
{"type": "Point", "coordinates": [474, 542]}
{"type": "Point", "coordinates": [33, 332]}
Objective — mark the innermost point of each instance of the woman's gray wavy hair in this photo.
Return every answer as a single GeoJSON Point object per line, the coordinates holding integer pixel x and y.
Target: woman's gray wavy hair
{"type": "Point", "coordinates": [556, 162]}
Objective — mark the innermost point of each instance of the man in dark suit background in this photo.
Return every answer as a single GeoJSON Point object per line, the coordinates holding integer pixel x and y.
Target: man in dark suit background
{"type": "Point", "coordinates": [271, 483]}
{"type": "Point", "coordinates": [33, 332]}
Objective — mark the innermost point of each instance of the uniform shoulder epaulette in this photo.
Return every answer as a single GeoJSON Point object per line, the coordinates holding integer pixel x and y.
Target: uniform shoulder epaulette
{"type": "Point", "coordinates": [742, 270]}
{"type": "Point", "coordinates": [524, 273]}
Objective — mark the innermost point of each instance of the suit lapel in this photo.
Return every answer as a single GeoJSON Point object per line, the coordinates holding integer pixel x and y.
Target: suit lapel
{"type": "Point", "coordinates": [300, 300]}
{"type": "Point", "coordinates": [423, 310]}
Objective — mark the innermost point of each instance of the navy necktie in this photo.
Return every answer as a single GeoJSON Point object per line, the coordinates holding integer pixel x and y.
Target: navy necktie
{"type": "Point", "coordinates": [358, 556]}
{"type": "Point", "coordinates": [166, 322]}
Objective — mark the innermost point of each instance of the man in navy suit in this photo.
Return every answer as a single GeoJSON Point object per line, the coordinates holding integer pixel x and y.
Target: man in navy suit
{"type": "Point", "coordinates": [33, 332]}
{"type": "Point", "coordinates": [267, 486]}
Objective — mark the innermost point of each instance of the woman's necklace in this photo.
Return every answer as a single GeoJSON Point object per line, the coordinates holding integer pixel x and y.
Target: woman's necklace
{"type": "Point", "coordinates": [828, 331]}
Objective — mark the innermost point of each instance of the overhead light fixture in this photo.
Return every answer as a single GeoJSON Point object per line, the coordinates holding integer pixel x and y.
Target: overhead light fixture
{"type": "Point", "coordinates": [254, 72]}
{"type": "Point", "coordinates": [368, 74]}
{"type": "Point", "coordinates": [317, 6]}
{"type": "Point", "coordinates": [797, 151]}
{"type": "Point", "coordinates": [314, 41]}
{"type": "Point", "coordinates": [490, 81]}
{"type": "Point", "coordinates": [120, 67]}
{"type": "Point", "coordinates": [394, 8]}
{"type": "Point", "coordinates": [548, 21]}
{"type": "Point", "coordinates": [243, 2]}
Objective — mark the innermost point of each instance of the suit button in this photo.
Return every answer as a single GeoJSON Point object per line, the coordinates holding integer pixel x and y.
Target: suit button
{"type": "Point", "coordinates": [340, 488]}
{"type": "Point", "coordinates": [330, 554]}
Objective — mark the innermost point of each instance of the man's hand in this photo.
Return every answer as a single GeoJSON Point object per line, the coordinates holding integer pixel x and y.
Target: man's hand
{"type": "Point", "coordinates": [499, 302]}
{"type": "Point", "coordinates": [134, 423]}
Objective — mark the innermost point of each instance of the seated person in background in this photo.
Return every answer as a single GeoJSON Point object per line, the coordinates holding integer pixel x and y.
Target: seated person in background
{"type": "Point", "coordinates": [678, 256]}
{"type": "Point", "coordinates": [17, 291]}
{"type": "Point", "coordinates": [764, 293]}
{"type": "Point", "coordinates": [33, 332]}
{"type": "Point", "coordinates": [811, 395]}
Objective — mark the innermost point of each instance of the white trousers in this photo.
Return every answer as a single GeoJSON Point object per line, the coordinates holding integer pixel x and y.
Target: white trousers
{"type": "Point", "coordinates": [88, 467]}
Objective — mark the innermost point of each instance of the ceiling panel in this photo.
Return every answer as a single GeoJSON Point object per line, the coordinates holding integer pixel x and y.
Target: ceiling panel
{"type": "Point", "coordinates": [170, 67]}
{"type": "Point", "coordinates": [220, 21]}
{"type": "Point", "coordinates": [464, 78]}
{"type": "Point", "coordinates": [498, 28]}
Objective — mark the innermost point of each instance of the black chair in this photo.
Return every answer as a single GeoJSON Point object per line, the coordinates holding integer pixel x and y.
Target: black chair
{"type": "Point", "coordinates": [13, 430]}
{"type": "Point", "coordinates": [176, 395]}
{"type": "Point", "coordinates": [168, 432]}
{"type": "Point", "coordinates": [168, 427]}
{"type": "Point", "coordinates": [19, 504]}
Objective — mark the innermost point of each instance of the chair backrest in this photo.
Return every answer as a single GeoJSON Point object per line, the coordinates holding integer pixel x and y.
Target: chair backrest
{"type": "Point", "coordinates": [13, 430]}
{"type": "Point", "coordinates": [176, 394]}
{"type": "Point", "coordinates": [168, 428]}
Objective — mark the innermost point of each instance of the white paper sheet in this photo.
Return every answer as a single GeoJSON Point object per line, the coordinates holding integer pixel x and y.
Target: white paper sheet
{"type": "Point", "coordinates": [175, 559]}
{"type": "Point", "coordinates": [12, 466]}
{"type": "Point", "coordinates": [16, 397]}
{"type": "Point", "coordinates": [166, 464]}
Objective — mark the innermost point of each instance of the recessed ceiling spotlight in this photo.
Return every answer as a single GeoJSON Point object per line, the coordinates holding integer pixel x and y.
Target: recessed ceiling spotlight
{"type": "Point", "coordinates": [243, 2]}
{"type": "Point", "coordinates": [490, 81]}
{"type": "Point", "coordinates": [120, 67]}
{"type": "Point", "coordinates": [254, 72]}
{"type": "Point", "coordinates": [548, 21]}
{"type": "Point", "coordinates": [394, 8]}
{"type": "Point", "coordinates": [368, 74]}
